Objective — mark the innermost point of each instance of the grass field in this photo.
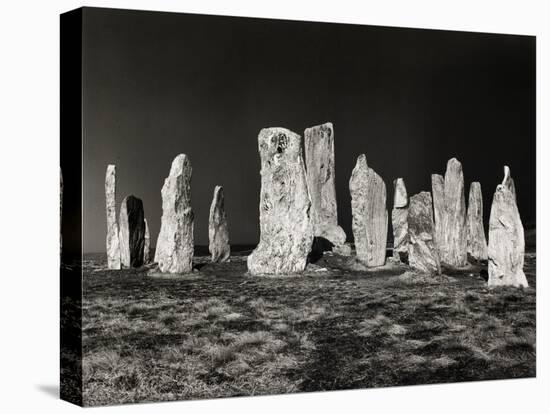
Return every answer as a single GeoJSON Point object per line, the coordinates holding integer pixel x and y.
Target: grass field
{"type": "Point", "coordinates": [221, 333]}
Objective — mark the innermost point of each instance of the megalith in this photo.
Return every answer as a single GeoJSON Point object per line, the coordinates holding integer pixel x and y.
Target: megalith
{"type": "Point", "coordinates": [399, 220]}
{"type": "Point", "coordinates": [477, 243]}
{"type": "Point", "coordinates": [506, 238]}
{"type": "Point", "coordinates": [454, 221]}
{"type": "Point", "coordinates": [438, 194]}
{"type": "Point", "coordinates": [112, 241]}
{"type": "Point", "coordinates": [320, 173]}
{"type": "Point", "coordinates": [423, 253]}
{"type": "Point", "coordinates": [147, 244]}
{"type": "Point", "coordinates": [218, 234]}
{"type": "Point", "coordinates": [286, 231]}
{"type": "Point", "coordinates": [369, 214]}
{"type": "Point", "coordinates": [131, 232]}
{"type": "Point", "coordinates": [174, 249]}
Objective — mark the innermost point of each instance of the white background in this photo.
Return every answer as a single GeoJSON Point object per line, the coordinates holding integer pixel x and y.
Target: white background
{"type": "Point", "coordinates": [29, 148]}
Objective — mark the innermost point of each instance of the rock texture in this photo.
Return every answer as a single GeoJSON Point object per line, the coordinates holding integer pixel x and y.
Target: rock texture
{"type": "Point", "coordinates": [174, 250]}
{"type": "Point", "coordinates": [399, 221]}
{"type": "Point", "coordinates": [286, 231]}
{"type": "Point", "coordinates": [477, 243]}
{"type": "Point", "coordinates": [369, 214]}
{"type": "Point", "coordinates": [112, 241]}
{"type": "Point", "coordinates": [218, 234]}
{"type": "Point", "coordinates": [132, 232]}
{"type": "Point", "coordinates": [423, 254]}
{"type": "Point", "coordinates": [320, 170]}
{"type": "Point", "coordinates": [438, 194]}
{"type": "Point", "coordinates": [506, 238]}
{"type": "Point", "coordinates": [147, 244]}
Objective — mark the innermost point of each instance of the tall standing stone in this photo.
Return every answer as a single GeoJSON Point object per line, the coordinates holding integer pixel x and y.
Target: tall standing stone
{"type": "Point", "coordinates": [477, 243]}
{"type": "Point", "coordinates": [112, 241]}
{"type": "Point", "coordinates": [320, 170]}
{"type": "Point", "coordinates": [174, 250]}
{"type": "Point", "coordinates": [399, 220]}
{"type": "Point", "coordinates": [218, 234]}
{"type": "Point", "coordinates": [286, 232]}
{"type": "Point", "coordinates": [506, 238]}
{"type": "Point", "coordinates": [438, 194]}
{"type": "Point", "coordinates": [132, 232]}
{"type": "Point", "coordinates": [454, 221]}
{"type": "Point", "coordinates": [369, 213]}
{"type": "Point", "coordinates": [423, 253]}
{"type": "Point", "coordinates": [147, 244]}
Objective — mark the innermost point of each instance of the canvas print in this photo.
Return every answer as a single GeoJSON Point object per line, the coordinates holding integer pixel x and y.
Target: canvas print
{"type": "Point", "coordinates": [258, 206]}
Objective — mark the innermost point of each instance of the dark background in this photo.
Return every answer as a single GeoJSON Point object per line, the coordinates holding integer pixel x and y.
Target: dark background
{"type": "Point", "coordinates": [159, 84]}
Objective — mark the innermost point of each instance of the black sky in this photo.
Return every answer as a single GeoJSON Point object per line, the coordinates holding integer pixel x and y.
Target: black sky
{"type": "Point", "coordinates": [160, 84]}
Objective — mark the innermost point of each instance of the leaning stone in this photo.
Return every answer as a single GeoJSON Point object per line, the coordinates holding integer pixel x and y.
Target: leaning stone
{"type": "Point", "coordinates": [132, 232]}
{"type": "Point", "coordinates": [399, 221]}
{"type": "Point", "coordinates": [369, 214]}
{"type": "Point", "coordinates": [506, 239]}
{"type": "Point", "coordinates": [477, 243]}
{"type": "Point", "coordinates": [320, 173]}
{"type": "Point", "coordinates": [218, 234]}
{"type": "Point", "coordinates": [423, 254]}
{"type": "Point", "coordinates": [286, 232]}
{"type": "Point", "coordinates": [174, 250]}
{"type": "Point", "coordinates": [455, 252]}
{"type": "Point", "coordinates": [438, 194]}
{"type": "Point", "coordinates": [147, 244]}
{"type": "Point", "coordinates": [112, 242]}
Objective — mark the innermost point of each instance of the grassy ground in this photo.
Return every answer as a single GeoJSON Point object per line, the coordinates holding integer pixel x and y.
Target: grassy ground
{"type": "Point", "coordinates": [220, 333]}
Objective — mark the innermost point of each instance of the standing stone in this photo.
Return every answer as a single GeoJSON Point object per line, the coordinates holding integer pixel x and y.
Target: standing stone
{"type": "Point", "coordinates": [132, 232]}
{"type": "Point", "coordinates": [218, 234]}
{"type": "Point", "coordinates": [455, 252]}
{"type": "Point", "coordinates": [423, 254]}
{"type": "Point", "coordinates": [320, 170]}
{"type": "Point", "coordinates": [438, 194]}
{"type": "Point", "coordinates": [112, 241]}
{"type": "Point", "coordinates": [286, 232]}
{"type": "Point", "coordinates": [369, 213]}
{"type": "Point", "coordinates": [147, 244]}
{"type": "Point", "coordinates": [477, 243]}
{"type": "Point", "coordinates": [399, 221]}
{"type": "Point", "coordinates": [506, 238]}
{"type": "Point", "coordinates": [174, 251]}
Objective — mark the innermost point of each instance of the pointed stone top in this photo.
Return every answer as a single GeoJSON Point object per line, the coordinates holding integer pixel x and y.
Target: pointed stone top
{"type": "Point", "coordinates": [400, 199]}
{"type": "Point", "coordinates": [454, 164]}
{"type": "Point", "coordinates": [361, 161]}
{"type": "Point", "coordinates": [508, 181]}
{"type": "Point", "coordinates": [180, 163]}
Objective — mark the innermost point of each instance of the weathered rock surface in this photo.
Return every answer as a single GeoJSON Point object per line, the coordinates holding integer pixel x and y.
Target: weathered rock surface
{"type": "Point", "coordinates": [320, 173]}
{"type": "Point", "coordinates": [369, 214]}
{"type": "Point", "coordinates": [423, 254]}
{"type": "Point", "coordinates": [174, 249]}
{"type": "Point", "coordinates": [286, 231]}
{"type": "Point", "coordinates": [147, 244]}
{"type": "Point", "coordinates": [132, 232]}
{"type": "Point", "coordinates": [218, 234]}
{"type": "Point", "coordinates": [477, 243]}
{"type": "Point", "coordinates": [438, 194]}
{"type": "Point", "coordinates": [455, 252]}
{"type": "Point", "coordinates": [399, 221]}
{"type": "Point", "coordinates": [508, 181]}
{"type": "Point", "coordinates": [112, 241]}
{"type": "Point", "coordinates": [506, 238]}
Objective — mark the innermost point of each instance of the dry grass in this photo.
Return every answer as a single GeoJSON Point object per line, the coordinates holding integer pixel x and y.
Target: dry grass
{"type": "Point", "coordinates": [221, 333]}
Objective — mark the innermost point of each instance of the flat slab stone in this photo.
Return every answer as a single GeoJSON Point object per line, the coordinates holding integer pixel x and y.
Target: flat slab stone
{"type": "Point", "coordinates": [369, 213]}
{"type": "Point", "coordinates": [423, 253]}
{"type": "Point", "coordinates": [218, 233]}
{"type": "Point", "coordinates": [438, 195]}
{"type": "Point", "coordinates": [399, 221]}
{"type": "Point", "coordinates": [112, 241]}
{"type": "Point", "coordinates": [131, 232]}
{"type": "Point", "coordinates": [175, 247]}
{"type": "Point", "coordinates": [286, 230]}
{"type": "Point", "coordinates": [477, 243]}
{"type": "Point", "coordinates": [320, 173]}
{"type": "Point", "coordinates": [506, 238]}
